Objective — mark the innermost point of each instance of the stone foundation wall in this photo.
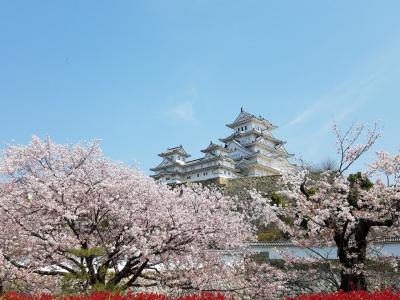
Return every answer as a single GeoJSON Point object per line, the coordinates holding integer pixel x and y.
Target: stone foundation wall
{"type": "Point", "coordinates": [239, 186]}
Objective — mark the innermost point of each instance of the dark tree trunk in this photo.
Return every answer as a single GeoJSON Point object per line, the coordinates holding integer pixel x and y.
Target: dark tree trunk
{"type": "Point", "coordinates": [352, 282]}
{"type": "Point", "coordinates": [351, 256]}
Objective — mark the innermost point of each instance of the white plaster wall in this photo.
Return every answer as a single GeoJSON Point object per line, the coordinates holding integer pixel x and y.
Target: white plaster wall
{"type": "Point", "coordinates": [210, 174]}
{"type": "Point", "coordinates": [250, 125]}
{"type": "Point", "coordinates": [237, 154]}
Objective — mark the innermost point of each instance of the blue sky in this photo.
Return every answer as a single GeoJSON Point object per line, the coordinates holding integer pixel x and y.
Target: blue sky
{"type": "Point", "coordinates": [144, 75]}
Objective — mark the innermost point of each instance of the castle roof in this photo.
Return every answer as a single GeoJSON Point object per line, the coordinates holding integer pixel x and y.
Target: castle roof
{"type": "Point", "coordinates": [243, 164]}
{"type": "Point", "coordinates": [167, 163]}
{"type": "Point", "coordinates": [212, 146]}
{"type": "Point", "coordinates": [178, 150]}
{"type": "Point", "coordinates": [279, 149]}
{"type": "Point", "coordinates": [244, 117]}
{"type": "Point", "coordinates": [252, 131]}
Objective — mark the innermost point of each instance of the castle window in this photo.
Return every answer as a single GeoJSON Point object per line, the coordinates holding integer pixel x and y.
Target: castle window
{"type": "Point", "coordinates": [245, 127]}
{"type": "Point", "coordinates": [189, 177]}
{"type": "Point", "coordinates": [168, 178]}
{"type": "Point", "coordinates": [198, 175]}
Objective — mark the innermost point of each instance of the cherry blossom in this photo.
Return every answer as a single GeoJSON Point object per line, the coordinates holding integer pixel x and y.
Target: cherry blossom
{"type": "Point", "coordinates": [68, 214]}
{"type": "Point", "coordinates": [332, 209]}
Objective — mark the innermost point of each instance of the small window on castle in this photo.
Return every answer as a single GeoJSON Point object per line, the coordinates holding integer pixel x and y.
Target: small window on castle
{"type": "Point", "coordinates": [245, 127]}
{"type": "Point", "coordinates": [189, 177]}
{"type": "Point", "coordinates": [168, 178]}
{"type": "Point", "coordinates": [198, 175]}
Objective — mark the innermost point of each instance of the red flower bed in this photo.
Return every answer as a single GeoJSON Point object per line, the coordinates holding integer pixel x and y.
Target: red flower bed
{"type": "Point", "coordinates": [356, 295]}
{"type": "Point", "coordinates": [109, 296]}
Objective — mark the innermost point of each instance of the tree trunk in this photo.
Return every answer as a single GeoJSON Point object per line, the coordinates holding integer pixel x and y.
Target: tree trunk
{"type": "Point", "coordinates": [352, 282]}
{"type": "Point", "coordinates": [353, 257]}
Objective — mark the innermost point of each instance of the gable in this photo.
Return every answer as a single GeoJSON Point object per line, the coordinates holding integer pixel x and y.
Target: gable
{"type": "Point", "coordinates": [280, 147]}
{"type": "Point", "coordinates": [208, 155]}
{"type": "Point", "coordinates": [236, 150]}
{"type": "Point", "coordinates": [243, 116]}
{"type": "Point", "coordinates": [265, 142]}
{"type": "Point", "coordinates": [165, 163]}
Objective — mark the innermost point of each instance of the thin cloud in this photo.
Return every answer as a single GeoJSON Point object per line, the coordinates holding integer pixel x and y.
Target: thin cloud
{"type": "Point", "coordinates": [341, 102]}
{"type": "Point", "coordinates": [304, 115]}
{"type": "Point", "coordinates": [184, 111]}
{"type": "Point", "coordinates": [180, 105]}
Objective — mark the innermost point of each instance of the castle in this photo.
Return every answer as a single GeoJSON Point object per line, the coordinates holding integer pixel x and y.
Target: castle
{"type": "Point", "coordinates": [251, 150]}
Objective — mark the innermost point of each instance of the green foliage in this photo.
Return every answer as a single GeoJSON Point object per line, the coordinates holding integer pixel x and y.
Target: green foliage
{"type": "Point", "coordinates": [312, 190]}
{"type": "Point", "coordinates": [90, 252]}
{"type": "Point", "coordinates": [99, 287]}
{"type": "Point", "coordinates": [272, 233]}
{"type": "Point", "coordinates": [278, 199]}
{"type": "Point", "coordinates": [363, 181]}
{"type": "Point", "coordinates": [74, 283]}
{"type": "Point", "coordinates": [78, 283]}
{"type": "Point", "coordinates": [357, 179]}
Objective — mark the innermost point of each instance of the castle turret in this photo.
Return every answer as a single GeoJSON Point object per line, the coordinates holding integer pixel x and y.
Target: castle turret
{"type": "Point", "coordinates": [176, 154]}
{"type": "Point", "coordinates": [171, 169]}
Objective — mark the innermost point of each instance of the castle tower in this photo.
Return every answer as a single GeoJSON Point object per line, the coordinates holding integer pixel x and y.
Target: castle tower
{"type": "Point", "coordinates": [254, 148]}
{"type": "Point", "coordinates": [251, 150]}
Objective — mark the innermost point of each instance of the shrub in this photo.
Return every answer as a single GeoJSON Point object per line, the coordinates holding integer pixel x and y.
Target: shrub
{"type": "Point", "coordinates": [111, 296]}
{"type": "Point", "coordinates": [355, 295]}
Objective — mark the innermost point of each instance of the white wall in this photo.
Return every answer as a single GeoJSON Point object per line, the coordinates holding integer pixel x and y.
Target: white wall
{"type": "Point", "coordinates": [250, 125]}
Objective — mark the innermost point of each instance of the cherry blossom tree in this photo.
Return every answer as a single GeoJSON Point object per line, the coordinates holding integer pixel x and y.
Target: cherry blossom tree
{"type": "Point", "coordinates": [332, 209]}
{"type": "Point", "coordinates": [388, 166]}
{"type": "Point", "coordinates": [77, 219]}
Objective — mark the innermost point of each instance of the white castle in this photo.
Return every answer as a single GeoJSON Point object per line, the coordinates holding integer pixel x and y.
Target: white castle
{"type": "Point", "coordinates": [251, 150]}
